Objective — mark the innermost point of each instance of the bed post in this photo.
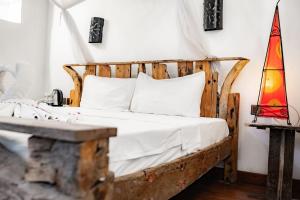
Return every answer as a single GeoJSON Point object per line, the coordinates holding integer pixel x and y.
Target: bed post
{"type": "Point", "coordinates": [75, 94]}
{"type": "Point", "coordinates": [229, 110]}
{"type": "Point", "coordinates": [228, 82]}
{"type": "Point", "coordinates": [230, 165]}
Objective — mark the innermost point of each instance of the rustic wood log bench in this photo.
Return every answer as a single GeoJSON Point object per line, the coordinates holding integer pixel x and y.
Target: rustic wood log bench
{"type": "Point", "coordinates": [72, 158]}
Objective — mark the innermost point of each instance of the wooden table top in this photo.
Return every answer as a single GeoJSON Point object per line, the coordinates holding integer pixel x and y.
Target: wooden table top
{"type": "Point", "coordinates": [273, 126]}
{"type": "Point", "coordinates": [57, 130]}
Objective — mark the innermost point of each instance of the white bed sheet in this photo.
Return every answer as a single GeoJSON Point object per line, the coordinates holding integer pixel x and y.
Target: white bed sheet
{"type": "Point", "coordinates": [144, 140]}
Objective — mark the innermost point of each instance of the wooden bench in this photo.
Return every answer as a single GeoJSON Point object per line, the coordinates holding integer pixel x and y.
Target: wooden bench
{"type": "Point", "coordinates": [72, 157]}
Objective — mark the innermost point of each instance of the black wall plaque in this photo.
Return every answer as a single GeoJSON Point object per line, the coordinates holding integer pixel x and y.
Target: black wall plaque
{"type": "Point", "coordinates": [213, 15]}
{"type": "Point", "coordinates": [96, 30]}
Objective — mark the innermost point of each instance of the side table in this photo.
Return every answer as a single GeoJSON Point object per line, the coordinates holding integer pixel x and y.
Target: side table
{"type": "Point", "coordinates": [281, 159]}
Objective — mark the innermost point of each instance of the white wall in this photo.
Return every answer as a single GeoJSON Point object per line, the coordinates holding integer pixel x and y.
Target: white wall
{"type": "Point", "coordinates": [247, 25]}
{"type": "Point", "coordinates": [127, 36]}
{"type": "Point", "coordinates": [26, 41]}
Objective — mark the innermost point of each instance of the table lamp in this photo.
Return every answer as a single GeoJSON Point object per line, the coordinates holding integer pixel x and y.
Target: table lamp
{"type": "Point", "coordinates": [272, 99]}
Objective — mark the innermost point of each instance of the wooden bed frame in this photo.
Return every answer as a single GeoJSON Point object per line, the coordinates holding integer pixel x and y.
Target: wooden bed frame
{"type": "Point", "coordinates": [160, 182]}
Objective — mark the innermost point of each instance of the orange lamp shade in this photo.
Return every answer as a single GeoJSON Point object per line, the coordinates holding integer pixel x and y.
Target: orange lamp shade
{"type": "Point", "coordinates": [272, 100]}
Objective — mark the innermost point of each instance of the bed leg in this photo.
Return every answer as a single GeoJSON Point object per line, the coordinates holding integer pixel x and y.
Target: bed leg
{"type": "Point", "coordinates": [230, 165]}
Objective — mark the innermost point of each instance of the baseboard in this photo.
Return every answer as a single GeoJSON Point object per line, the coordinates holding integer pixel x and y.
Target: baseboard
{"type": "Point", "coordinates": [252, 178]}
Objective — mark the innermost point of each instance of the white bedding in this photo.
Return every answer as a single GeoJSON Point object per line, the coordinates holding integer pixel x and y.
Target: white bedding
{"type": "Point", "coordinates": [144, 140]}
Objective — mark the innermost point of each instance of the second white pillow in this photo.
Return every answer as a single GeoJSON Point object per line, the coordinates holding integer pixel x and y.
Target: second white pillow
{"type": "Point", "coordinates": [178, 96]}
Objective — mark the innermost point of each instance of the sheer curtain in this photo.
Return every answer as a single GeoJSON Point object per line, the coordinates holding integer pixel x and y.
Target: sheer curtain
{"type": "Point", "coordinates": [190, 28]}
{"type": "Point", "coordinates": [190, 25]}
{"type": "Point", "coordinates": [78, 45]}
{"type": "Point", "coordinates": [11, 10]}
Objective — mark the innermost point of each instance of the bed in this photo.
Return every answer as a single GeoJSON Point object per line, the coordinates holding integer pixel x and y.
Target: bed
{"type": "Point", "coordinates": [182, 150]}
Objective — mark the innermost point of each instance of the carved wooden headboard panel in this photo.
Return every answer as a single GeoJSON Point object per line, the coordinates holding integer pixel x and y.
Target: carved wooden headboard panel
{"type": "Point", "coordinates": [210, 106]}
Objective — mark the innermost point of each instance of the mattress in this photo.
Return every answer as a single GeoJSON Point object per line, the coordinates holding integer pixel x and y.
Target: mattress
{"type": "Point", "coordinates": [143, 140]}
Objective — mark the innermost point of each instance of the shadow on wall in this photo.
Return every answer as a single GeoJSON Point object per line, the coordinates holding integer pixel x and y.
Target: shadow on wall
{"type": "Point", "coordinates": [79, 47]}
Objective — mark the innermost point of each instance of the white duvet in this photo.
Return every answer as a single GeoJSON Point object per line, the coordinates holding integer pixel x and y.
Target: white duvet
{"type": "Point", "coordinates": [139, 135]}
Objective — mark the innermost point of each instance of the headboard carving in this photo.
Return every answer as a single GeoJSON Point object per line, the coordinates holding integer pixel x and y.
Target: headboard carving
{"type": "Point", "coordinates": [123, 71]}
{"type": "Point", "coordinates": [160, 71]}
{"type": "Point", "coordinates": [209, 104]}
{"type": "Point", "coordinates": [104, 71]}
{"type": "Point", "coordinates": [185, 68]}
{"type": "Point", "coordinates": [142, 68]}
{"type": "Point", "coordinates": [89, 70]}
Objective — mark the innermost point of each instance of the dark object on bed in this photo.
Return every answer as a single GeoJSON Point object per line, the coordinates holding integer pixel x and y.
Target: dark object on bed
{"type": "Point", "coordinates": [56, 98]}
{"type": "Point", "coordinates": [213, 15]}
{"type": "Point", "coordinates": [96, 30]}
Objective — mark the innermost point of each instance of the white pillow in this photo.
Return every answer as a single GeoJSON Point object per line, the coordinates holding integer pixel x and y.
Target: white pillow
{"type": "Point", "coordinates": [107, 93]}
{"type": "Point", "coordinates": [7, 80]}
{"type": "Point", "coordinates": [8, 68]}
{"type": "Point", "coordinates": [178, 96]}
{"type": "Point", "coordinates": [23, 87]}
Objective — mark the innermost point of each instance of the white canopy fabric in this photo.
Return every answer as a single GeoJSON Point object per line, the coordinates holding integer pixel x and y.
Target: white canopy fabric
{"type": "Point", "coordinates": [79, 47]}
{"type": "Point", "coordinates": [189, 26]}
{"type": "Point", "coordinates": [66, 4]}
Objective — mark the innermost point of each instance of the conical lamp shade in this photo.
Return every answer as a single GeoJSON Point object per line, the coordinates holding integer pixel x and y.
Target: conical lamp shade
{"type": "Point", "coordinates": [272, 100]}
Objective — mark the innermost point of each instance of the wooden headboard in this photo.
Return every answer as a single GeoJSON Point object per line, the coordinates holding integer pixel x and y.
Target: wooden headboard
{"type": "Point", "coordinates": [213, 104]}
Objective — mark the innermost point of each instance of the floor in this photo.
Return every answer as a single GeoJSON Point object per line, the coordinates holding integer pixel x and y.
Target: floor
{"type": "Point", "coordinates": [218, 190]}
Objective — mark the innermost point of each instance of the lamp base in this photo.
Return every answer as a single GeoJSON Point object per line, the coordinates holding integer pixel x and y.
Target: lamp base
{"type": "Point", "coordinates": [271, 120]}
{"type": "Point", "coordinates": [254, 109]}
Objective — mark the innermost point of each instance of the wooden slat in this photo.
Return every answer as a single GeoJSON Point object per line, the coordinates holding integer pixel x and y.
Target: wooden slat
{"type": "Point", "coordinates": [123, 71]}
{"type": "Point", "coordinates": [206, 102]}
{"type": "Point", "coordinates": [201, 65]}
{"type": "Point", "coordinates": [89, 70]}
{"type": "Point", "coordinates": [142, 68]}
{"type": "Point", "coordinates": [160, 71]}
{"type": "Point", "coordinates": [214, 100]}
{"type": "Point", "coordinates": [105, 71]}
{"type": "Point", "coordinates": [230, 166]}
{"type": "Point", "coordinates": [185, 68]}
